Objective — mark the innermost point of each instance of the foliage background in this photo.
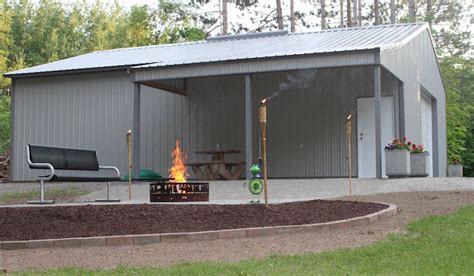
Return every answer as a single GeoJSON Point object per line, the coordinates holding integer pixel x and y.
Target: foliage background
{"type": "Point", "coordinates": [37, 32]}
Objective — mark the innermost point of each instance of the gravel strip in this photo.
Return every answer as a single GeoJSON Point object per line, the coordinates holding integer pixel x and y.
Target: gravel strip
{"type": "Point", "coordinates": [412, 206]}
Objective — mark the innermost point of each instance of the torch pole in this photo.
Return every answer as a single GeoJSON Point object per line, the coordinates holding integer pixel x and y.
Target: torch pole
{"type": "Point", "coordinates": [129, 145]}
{"type": "Point", "coordinates": [262, 115]}
{"type": "Point", "coordinates": [349, 151]}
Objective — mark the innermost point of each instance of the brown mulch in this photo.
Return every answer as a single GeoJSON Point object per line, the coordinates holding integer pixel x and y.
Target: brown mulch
{"type": "Point", "coordinates": [28, 223]}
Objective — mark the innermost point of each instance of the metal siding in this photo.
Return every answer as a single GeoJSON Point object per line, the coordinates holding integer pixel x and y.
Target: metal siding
{"type": "Point", "coordinates": [256, 66]}
{"type": "Point", "coordinates": [306, 126]}
{"type": "Point", "coordinates": [415, 64]}
{"type": "Point", "coordinates": [94, 111]}
{"type": "Point", "coordinates": [212, 113]}
{"type": "Point", "coordinates": [85, 111]}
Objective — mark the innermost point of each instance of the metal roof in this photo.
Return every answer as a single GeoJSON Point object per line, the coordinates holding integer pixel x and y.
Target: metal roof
{"type": "Point", "coordinates": [383, 37]}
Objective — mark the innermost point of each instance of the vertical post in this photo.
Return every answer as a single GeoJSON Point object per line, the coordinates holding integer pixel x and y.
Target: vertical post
{"type": "Point", "coordinates": [349, 149]}
{"type": "Point", "coordinates": [262, 118]}
{"type": "Point", "coordinates": [401, 111]}
{"type": "Point", "coordinates": [129, 149]}
{"type": "Point", "coordinates": [248, 125]}
{"type": "Point", "coordinates": [378, 122]}
{"type": "Point", "coordinates": [13, 136]}
{"type": "Point", "coordinates": [136, 130]}
{"type": "Point", "coordinates": [435, 147]}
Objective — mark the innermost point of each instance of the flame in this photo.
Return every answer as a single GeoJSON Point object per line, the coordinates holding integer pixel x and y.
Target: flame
{"type": "Point", "coordinates": [178, 169]}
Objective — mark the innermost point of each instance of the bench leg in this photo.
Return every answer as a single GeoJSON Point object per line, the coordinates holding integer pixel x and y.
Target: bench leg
{"type": "Point", "coordinates": [237, 172]}
{"type": "Point", "coordinates": [108, 196]}
{"type": "Point", "coordinates": [42, 200]}
{"type": "Point", "coordinates": [199, 174]}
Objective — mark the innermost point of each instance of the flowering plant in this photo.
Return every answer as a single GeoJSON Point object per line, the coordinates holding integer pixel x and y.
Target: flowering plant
{"type": "Point", "coordinates": [417, 148]}
{"type": "Point", "coordinates": [398, 144]}
{"type": "Point", "coordinates": [456, 159]}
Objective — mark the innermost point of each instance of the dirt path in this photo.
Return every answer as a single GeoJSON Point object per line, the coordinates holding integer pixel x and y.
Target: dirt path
{"type": "Point", "coordinates": [413, 205]}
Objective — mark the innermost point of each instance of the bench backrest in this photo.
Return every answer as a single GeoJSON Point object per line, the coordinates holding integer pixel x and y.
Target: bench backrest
{"type": "Point", "coordinates": [64, 158]}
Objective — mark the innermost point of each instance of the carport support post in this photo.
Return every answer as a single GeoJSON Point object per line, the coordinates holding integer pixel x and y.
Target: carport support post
{"type": "Point", "coordinates": [136, 130]}
{"type": "Point", "coordinates": [378, 122]}
{"type": "Point", "coordinates": [248, 125]}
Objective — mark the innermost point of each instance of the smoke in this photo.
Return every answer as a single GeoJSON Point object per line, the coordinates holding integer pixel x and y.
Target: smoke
{"type": "Point", "coordinates": [298, 79]}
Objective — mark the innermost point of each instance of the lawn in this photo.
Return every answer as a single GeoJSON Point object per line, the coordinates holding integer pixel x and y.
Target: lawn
{"type": "Point", "coordinates": [56, 194]}
{"type": "Point", "coordinates": [433, 245]}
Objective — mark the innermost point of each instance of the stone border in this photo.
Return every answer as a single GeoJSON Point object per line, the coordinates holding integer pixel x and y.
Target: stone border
{"type": "Point", "coordinates": [200, 236]}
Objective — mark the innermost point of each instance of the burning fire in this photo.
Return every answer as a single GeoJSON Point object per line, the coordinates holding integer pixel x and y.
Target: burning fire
{"type": "Point", "coordinates": [178, 169]}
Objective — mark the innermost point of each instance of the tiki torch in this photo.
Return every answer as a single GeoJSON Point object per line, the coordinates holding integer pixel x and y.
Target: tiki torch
{"type": "Point", "coordinates": [129, 145]}
{"type": "Point", "coordinates": [262, 118]}
{"type": "Point", "coordinates": [349, 151]}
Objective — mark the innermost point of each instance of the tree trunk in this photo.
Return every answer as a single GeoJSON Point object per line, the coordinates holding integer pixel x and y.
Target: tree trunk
{"type": "Point", "coordinates": [292, 16]}
{"type": "Point", "coordinates": [279, 15]}
{"type": "Point", "coordinates": [376, 12]}
{"type": "Point", "coordinates": [225, 26]}
{"type": "Point", "coordinates": [429, 11]}
{"type": "Point", "coordinates": [411, 10]}
{"type": "Point", "coordinates": [392, 11]}
{"type": "Point", "coordinates": [323, 14]}
{"type": "Point", "coordinates": [354, 14]}
{"type": "Point", "coordinates": [348, 11]}
{"type": "Point", "coordinates": [359, 6]}
{"type": "Point", "coordinates": [341, 6]}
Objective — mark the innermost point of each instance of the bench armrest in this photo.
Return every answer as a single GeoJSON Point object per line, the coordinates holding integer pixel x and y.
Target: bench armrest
{"type": "Point", "coordinates": [110, 168]}
{"type": "Point", "coordinates": [40, 166]}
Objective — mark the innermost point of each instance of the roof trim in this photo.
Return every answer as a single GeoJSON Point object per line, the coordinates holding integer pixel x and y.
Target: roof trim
{"type": "Point", "coordinates": [250, 66]}
{"type": "Point", "coordinates": [68, 72]}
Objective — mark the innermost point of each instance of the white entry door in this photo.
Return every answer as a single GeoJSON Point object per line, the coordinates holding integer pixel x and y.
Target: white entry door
{"type": "Point", "coordinates": [366, 134]}
{"type": "Point", "coordinates": [427, 129]}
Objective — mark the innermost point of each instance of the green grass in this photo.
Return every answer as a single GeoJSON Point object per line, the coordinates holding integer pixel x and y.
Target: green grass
{"type": "Point", "coordinates": [432, 246]}
{"type": "Point", "coordinates": [56, 194]}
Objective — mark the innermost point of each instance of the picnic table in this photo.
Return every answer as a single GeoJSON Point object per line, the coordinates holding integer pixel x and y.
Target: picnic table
{"type": "Point", "coordinates": [217, 168]}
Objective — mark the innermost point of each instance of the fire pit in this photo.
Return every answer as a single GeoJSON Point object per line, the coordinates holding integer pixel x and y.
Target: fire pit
{"type": "Point", "coordinates": [179, 191]}
{"type": "Point", "coordinates": [177, 188]}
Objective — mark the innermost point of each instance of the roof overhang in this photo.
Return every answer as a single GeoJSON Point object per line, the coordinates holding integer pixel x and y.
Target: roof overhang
{"type": "Point", "coordinates": [258, 65]}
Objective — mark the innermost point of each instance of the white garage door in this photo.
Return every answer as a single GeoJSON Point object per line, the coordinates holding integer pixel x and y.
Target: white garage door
{"type": "Point", "coordinates": [427, 128]}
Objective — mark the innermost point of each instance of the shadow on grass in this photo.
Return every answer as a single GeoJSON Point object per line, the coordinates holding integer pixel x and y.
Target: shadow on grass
{"type": "Point", "coordinates": [64, 195]}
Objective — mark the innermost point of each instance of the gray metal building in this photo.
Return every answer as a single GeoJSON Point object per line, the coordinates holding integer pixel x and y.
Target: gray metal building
{"type": "Point", "coordinates": [206, 93]}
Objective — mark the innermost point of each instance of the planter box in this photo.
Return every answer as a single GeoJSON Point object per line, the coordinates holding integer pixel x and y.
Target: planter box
{"type": "Point", "coordinates": [455, 170]}
{"type": "Point", "coordinates": [419, 164]}
{"type": "Point", "coordinates": [397, 163]}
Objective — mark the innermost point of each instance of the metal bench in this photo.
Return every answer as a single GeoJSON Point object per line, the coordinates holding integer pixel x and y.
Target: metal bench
{"type": "Point", "coordinates": [53, 159]}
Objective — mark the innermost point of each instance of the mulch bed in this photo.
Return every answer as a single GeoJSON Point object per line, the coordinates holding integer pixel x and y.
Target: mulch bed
{"type": "Point", "coordinates": [30, 223]}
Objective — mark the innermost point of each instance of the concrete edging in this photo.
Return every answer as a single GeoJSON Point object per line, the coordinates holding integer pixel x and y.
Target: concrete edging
{"type": "Point", "coordinates": [144, 239]}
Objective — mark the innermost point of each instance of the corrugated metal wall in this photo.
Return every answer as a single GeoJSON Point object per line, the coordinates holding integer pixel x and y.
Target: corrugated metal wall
{"type": "Point", "coordinates": [212, 113]}
{"type": "Point", "coordinates": [305, 126]}
{"type": "Point", "coordinates": [415, 65]}
{"type": "Point", "coordinates": [81, 111]}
